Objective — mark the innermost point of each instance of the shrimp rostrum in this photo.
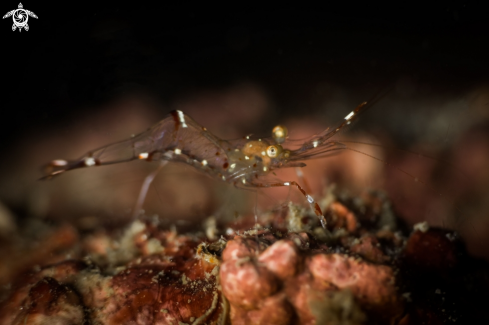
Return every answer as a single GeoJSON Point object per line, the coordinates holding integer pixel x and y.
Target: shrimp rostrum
{"type": "Point", "coordinates": [243, 162]}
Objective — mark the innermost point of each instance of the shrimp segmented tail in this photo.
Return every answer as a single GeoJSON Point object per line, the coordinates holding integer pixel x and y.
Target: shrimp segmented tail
{"type": "Point", "coordinates": [176, 138]}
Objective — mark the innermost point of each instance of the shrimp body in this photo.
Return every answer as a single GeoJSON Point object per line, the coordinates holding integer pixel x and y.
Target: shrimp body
{"type": "Point", "coordinates": [243, 162]}
{"type": "Point", "coordinates": [178, 138]}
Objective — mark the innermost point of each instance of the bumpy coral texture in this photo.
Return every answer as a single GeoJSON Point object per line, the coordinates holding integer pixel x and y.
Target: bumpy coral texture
{"type": "Point", "coordinates": [166, 279]}
{"type": "Point", "coordinates": [287, 270]}
{"type": "Point", "coordinates": [283, 284]}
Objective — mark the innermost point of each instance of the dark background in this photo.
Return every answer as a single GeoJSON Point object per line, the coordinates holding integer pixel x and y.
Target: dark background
{"type": "Point", "coordinates": [77, 59]}
{"type": "Point", "coordinates": [78, 56]}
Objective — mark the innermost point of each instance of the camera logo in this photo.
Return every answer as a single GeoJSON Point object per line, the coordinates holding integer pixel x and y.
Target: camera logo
{"type": "Point", "coordinates": [20, 17]}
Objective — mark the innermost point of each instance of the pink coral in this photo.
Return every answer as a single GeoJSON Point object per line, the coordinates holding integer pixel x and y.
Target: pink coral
{"type": "Point", "coordinates": [284, 276]}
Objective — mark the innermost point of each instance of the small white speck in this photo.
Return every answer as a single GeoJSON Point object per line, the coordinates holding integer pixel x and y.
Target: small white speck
{"type": "Point", "coordinates": [247, 137]}
{"type": "Point", "coordinates": [349, 116]}
{"type": "Point", "coordinates": [451, 236]}
{"type": "Point", "coordinates": [407, 296]}
{"type": "Point", "coordinates": [265, 169]}
{"type": "Point", "coordinates": [178, 151]}
{"type": "Point", "coordinates": [232, 166]}
{"type": "Point", "coordinates": [247, 158]}
{"type": "Point", "coordinates": [315, 143]}
{"type": "Point", "coordinates": [243, 181]}
{"type": "Point", "coordinates": [287, 184]}
{"type": "Point", "coordinates": [223, 177]}
{"type": "Point", "coordinates": [309, 198]}
{"type": "Point", "coordinates": [421, 226]}
{"type": "Point", "coordinates": [263, 153]}
{"type": "Point", "coordinates": [204, 162]}
{"type": "Point", "coordinates": [143, 155]}
{"type": "Point", "coordinates": [89, 161]}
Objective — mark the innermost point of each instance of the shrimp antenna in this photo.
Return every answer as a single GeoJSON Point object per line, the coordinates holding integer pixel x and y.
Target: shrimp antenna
{"type": "Point", "coordinates": [455, 167]}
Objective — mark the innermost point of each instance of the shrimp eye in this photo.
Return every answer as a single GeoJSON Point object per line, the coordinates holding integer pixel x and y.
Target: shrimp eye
{"type": "Point", "coordinates": [274, 151]}
{"type": "Point", "coordinates": [280, 133]}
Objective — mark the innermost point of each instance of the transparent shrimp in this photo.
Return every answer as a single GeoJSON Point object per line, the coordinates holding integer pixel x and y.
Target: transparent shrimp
{"type": "Point", "coordinates": [245, 163]}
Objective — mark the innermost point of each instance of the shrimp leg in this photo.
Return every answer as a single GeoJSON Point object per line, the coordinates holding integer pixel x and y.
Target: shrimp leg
{"type": "Point", "coordinates": [302, 179]}
{"type": "Point", "coordinates": [144, 189]}
{"type": "Point", "coordinates": [309, 198]}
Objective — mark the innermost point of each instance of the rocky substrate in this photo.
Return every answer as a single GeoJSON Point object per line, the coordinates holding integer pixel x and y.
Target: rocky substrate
{"type": "Point", "coordinates": [365, 269]}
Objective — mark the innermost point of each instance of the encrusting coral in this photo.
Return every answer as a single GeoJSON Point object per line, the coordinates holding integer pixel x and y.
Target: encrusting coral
{"type": "Point", "coordinates": [287, 270]}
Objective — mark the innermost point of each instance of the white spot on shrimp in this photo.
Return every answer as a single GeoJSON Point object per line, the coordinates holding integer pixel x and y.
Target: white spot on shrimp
{"type": "Point", "coordinates": [349, 116]}
{"type": "Point", "coordinates": [59, 163]}
{"type": "Point", "coordinates": [181, 118]}
{"type": "Point", "coordinates": [247, 158]}
{"type": "Point", "coordinates": [178, 151]}
{"type": "Point", "coordinates": [143, 155]}
{"type": "Point", "coordinates": [232, 166]}
{"type": "Point", "coordinates": [315, 143]}
{"type": "Point", "coordinates": [223, 177]}
{"type": "Point", "coordinates": [89, 161]}
{"type": "Point", "coordinates": [309, 198]}
{"type": "Point", "coordinates": [265, 169]}
{"type": "Point", "coordinates": [287, 184]}
{"type": "Point", "coordinates": [204, 162]}
{"type": "Point", "coordinates": [263, 153]}
{"type": "Point", "coordinates": [243, 181]}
